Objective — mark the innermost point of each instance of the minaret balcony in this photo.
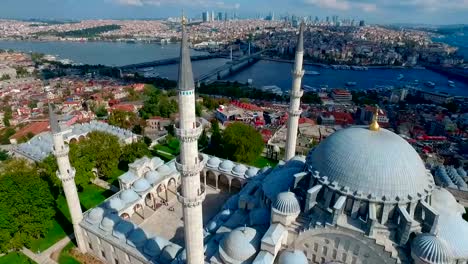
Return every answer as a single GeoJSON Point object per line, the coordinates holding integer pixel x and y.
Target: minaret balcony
{"type": "Point", "coordinates": [191, 170]}
{"type": "Point", "coordinates": [189, 134]}
{"type": "Point", "coordinates": [297, 94]}
{"type": "Point", "coordinates": [62, 152]}
{"type": "Point", "coordinates": [298, 74]}
{"type": "Point", "coordinates": [193, 201]}
{"type": "Point", "coordinates": [69, 176]}
{"type": "Point", "coordinates": [295, 113]}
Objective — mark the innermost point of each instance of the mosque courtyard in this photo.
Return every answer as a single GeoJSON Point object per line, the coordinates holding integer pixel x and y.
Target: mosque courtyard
{"type": "Point", "coordinates": [167, 220]}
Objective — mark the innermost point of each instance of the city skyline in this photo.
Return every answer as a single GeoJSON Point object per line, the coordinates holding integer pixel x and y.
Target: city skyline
{"type": "Point", "coordinates": [380, 12]}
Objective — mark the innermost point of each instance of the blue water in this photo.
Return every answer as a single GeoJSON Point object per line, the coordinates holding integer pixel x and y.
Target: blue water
{"type": "Point", "coordinates": [262, 73]}
{"type": "Point", "coordinates": [459, 39]}
{"type": "Point", "coordinates": [274, 73]}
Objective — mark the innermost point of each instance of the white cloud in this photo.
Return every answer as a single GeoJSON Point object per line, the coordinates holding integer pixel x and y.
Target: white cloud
{"type": "Point", "coordinates": [375, 5]}
{"type": "Point", "coordinates": [330, 4]}
{"type": "Point", "coordinates": [196, 3]}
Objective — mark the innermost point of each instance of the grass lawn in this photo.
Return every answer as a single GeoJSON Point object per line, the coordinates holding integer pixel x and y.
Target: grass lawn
{"type": "Point", "coordinates": [90, 196]}
{"type": "Point", "coordinates": [114, 178]}
{"type": "Point", "coordinates": [65, 257]}
{"type": "Point", "coordinates": [263, 162]}
{"type": "Point", "coordinates": [172, 147]}
{"type": "Point", "coordinates": [16, 258]}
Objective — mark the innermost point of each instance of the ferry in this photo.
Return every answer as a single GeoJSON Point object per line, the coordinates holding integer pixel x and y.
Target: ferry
{"type": "Point", "coordinates": [308, 88]}
{"type": "Point", "coordinates": [312, 73]}
{"type": "Point", "coordinates": [351, 84]}
{"type": "Point", "coordinates": [147, 69]}
{"type": "Point", "coordinates": [430, 84]}
{"type": "Point", "coordinates": [400, 77]}
{"type": "Point", "coordinates": [451, 84]}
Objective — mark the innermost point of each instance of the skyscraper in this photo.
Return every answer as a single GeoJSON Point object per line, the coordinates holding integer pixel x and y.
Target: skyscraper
{"type": "Point", "coordinates": [212, 16]}
{"type": "Point", "coordinates": [206, 16]}
{"type": "Point", "coordinates": [220, 16]}
{"type": "Point", "coordinates": [296, 94]}
{"type": "Point", "coordinates": [66, 173]}
{"type": "Point", "coordinates": [189, 163]}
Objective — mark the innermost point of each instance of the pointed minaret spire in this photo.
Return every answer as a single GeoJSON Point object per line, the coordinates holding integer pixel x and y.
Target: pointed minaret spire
{"type": "Point", "coordinates": [66, 173]}
{"type": "Point", "coordinates": [296, 94]}
{"type": "Point", "coordinates": [190, 162]}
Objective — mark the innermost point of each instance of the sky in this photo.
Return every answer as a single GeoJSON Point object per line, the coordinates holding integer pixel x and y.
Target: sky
{"type": "Point", "coordinates": [373, 11]}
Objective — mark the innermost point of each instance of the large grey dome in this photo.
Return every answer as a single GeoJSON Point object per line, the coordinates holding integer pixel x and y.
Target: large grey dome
{"type": "Point", "coordinates": [377, 164]}
{"type": "Point", "coordinates": [240, 245]}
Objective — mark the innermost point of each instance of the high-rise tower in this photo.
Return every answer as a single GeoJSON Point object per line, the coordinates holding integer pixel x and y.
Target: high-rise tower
{"type": "Point", "coordinates": [296, 94]}
{"type": "Point", "coordinates": [66, 173]}
{"type": "Point", "coordinates": [189, 163]}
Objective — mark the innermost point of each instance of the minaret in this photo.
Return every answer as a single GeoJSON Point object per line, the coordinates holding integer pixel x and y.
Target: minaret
{"type": "Point", "coordinates": [296, 94]}
{"type": "Point", "coordinates": [189, 163]}
{"type": "Point", "coordinates": [66, 173]}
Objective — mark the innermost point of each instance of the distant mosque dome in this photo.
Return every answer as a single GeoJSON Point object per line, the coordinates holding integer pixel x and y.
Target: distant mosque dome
{"type": "Point", "coordinates": [240, 246]}
{"type": "Point", "coordinates": [152, 177]}
{"type": "Point", "coordinates": [109, 221]}
{"type": "Point", "coordinates": [226, 166]}
{"type": "Point", "coordinates": [286, 203]}
{"type": "Point", "coordinates": [213, 162]}
{"type": "Point", "coordinates": [239, 170]}
{"type": "Point", "coordinates": [141, 186]}
{"type": "Point", "coordinates": [164, 170]}
{"type": "Point", "coordinates": [115, 204]}
{"type": "Point", "coordinates": [430, 249]}
{"type": "Point", "coordinates": [251, 172]}
{"type": "Point", "coordinates": [377, 164]}
{"type": "Point", "coordinates": [129, 196]}
{"type": "Point", "coordinates": [95, 215]}
{"type": "Point", "coordinates": [292, 257]}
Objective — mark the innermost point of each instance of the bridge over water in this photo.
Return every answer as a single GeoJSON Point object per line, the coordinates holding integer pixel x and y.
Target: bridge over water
{"type": "Point", "coordinates": [169, 61]}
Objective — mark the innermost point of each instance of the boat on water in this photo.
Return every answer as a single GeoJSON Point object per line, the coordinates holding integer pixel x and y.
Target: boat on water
{"type": "Point", "coordinates": [308, 88]}
{"type": "Point", "coordinates": [359, 68]}
{"type": "Point", "coordinates": [430, 84]}
{"type": "Point", "coordinates": [400, 77]}
{"type": "Point", "coordinates": [147, 69]}
{"type": "Point", "coordinates": [272, 89]}
{"type": "Point", "coordinates": [351, 84]}
{"type": "Point", "coordinates": [151, 75]}
{"type": "Point", "coordinates": [451, 84]}
{"type": "Point", "coordinates": [312, 73]}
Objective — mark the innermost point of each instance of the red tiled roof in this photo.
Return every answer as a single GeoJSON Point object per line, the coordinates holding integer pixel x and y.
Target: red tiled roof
{"type": "Point", "coordinates": [35, 128]}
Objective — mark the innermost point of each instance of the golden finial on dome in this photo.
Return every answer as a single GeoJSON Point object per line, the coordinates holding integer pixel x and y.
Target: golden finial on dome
{"type": "Point", "coordinates": [374, 126]}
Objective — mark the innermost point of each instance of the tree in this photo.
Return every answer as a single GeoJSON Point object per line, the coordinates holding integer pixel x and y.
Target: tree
{"type": "Point", "coordinates": [105, 149]}
{"type": "Point", "coordinates": [242, 143]}
{"type": "Point", "coordinates": [3, 155]}
{"type": "Point", "coordinates": [203, 140]}
{"type": "Point", "coordinates": [137, 129]}
{"type": "Point", "coordinates": [26, 205]}
{"type": "Point", "coordinates": [215, 146]}
{"type": "Point", "coordinates": [198, 109]}
{"type": "Point", "coordinates": [100, 111]}
{"type": "Point", "coordinates": [8, 114]}
{"type": "Point", "coordinates": [122, 119]}
{"type": "Point", "coordinates": [131, 152]}
{"type": "Point", "coordinates": [5, 77]}
{"type": "Point", "coordinates": [147, 141]}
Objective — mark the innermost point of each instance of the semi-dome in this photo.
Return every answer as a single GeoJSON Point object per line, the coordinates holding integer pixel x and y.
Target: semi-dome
{"type": "Point", "coordinates": [170, 252]}
{"type": "Point", "coordinates": [240, 245]}
{"type": "Point", "coordinates": [213, 162]}
{"type": "Point", "coordinates": [377, 164]}
{"type": "Point", "coordinates": [226, 166]}
{"type": "Point", "coordinates": [430, 249]}
{"type": "Point", "coordinates": [122, 229]}
{"type": "Point", "coordinates": [129, 196]}
{"type": "Point", "coordinates": [152, 177]}
{"type": "Point", "coordinates": [95, 215]}
{"type": "Point", "coordinates": [239, 170]}
{"type": "Point", "coordinates": [444, 202]}
{"type": "Point", "coordinates": [141, 186]}
{"type": "Point", "coordinates": [287, 203]}
{"type": "Point", "coordinates": [109, 221]}
{"type": "Point", "coordinates": [164, 170]}
{"type": "Point", "coordinates": [251, 172]}
{"type": "Point", "coordinates": [115, 204]}
{"type": "Point", "coordinates": [154, 246]}
{"type": "Point", "coordinates": [137, 238]}
{"type": "Point", "coordinates": [292, 257]}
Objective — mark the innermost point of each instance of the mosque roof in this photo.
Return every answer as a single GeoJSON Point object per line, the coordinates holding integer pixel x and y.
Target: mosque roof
{"type": "Point", "coordinates": [141, 185]}
{"type": "Point", "coordinates": [430, 249]}
{"type": "Point", "coordinates": [287, 203]}
{"type": "Point", "coordinates": [240, 245]}
{"type": "Point", "coordinates": [377, 164]}
{"type": "Point", "coordinates": [292, 257]}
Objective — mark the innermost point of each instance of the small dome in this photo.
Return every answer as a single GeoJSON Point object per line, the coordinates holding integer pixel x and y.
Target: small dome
{"type": "Point", "coordinates": [95, 215]}
{"type": "Point", "coordinates": [292, 257]}
{"type": "Point", "coordinates": [211, 227]}
{"type": "Point", "coordinates": [156, 161]}
{"type": "Point", "coordinates": [461, 172]}
{"type": "Point", "coordinates": [164, 170]}
{"type": "Point", "coordinates": [251, 172]}
{"type": "Point", "coordinates": [129, 196]}
{"type": "Point", "coordinates": [224, 215]}
{"type": "Point", "coordinates": [115, 204]}
{"type": "Point", "coordinates": [213, 162]}
{"type": "Point", "coordinates": [240, 245]}
{"type": "Point", "coordinates": [137, 238]}
{"type": "Point", "coordinates": [287, 203]}
{"type": "Point", "coordinates": [239, 170]}
{"type": "Point", "coordinates": [430, 249]}
{"type": "Point", "coordinates": [122, 229]}
{"type": "Point", "coordinates": [170, 252]}
{"type": "Point", "coordinates": [141, 186]}
{"type": "Point", "coordinates": [444, 202]}
{"type": "Point", "coordinates": [152, 177]}
{"type": "Point", "coordinates": [109, 221]}
{"type": "Point", "coordinates": [226, 166]}
{"type": "Point", "coordinates": [155, 246]}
